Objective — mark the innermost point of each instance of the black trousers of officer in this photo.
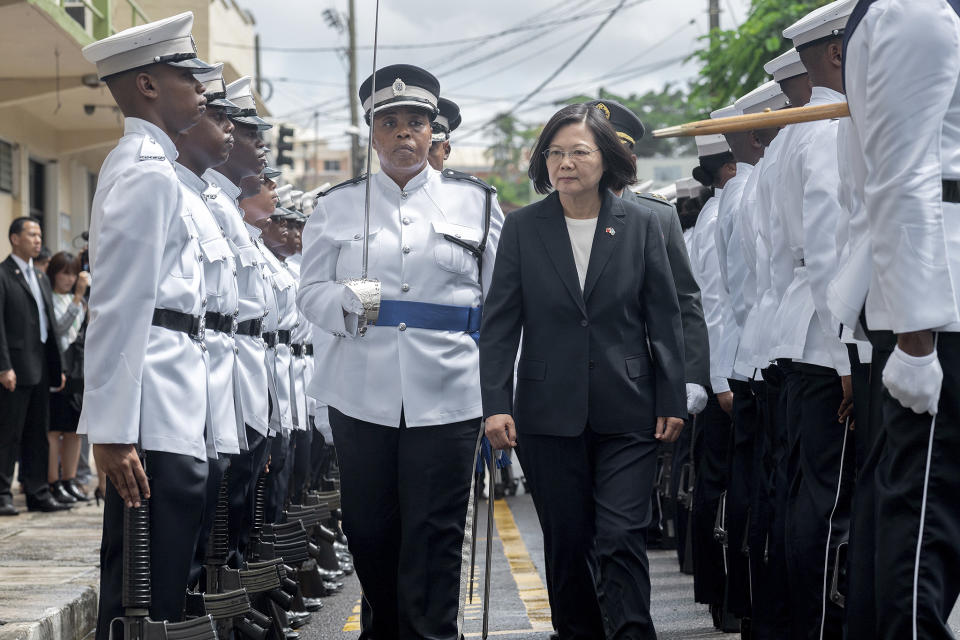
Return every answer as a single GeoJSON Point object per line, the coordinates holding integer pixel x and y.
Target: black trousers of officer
{"type": "Point", "coordinates": [745, 418]}
{"type": "Point", "coordinates": [177, 494]}
{"type": "Point", "coordinates": [592, 495]}
{"type": "Point", "coordinates": [818, 513]}
{"type": "Point", "coordinates": [405, 494]}
{"type": "Point", "coordinates": [245, 469]}
{"type": "Point", "coordinates": [918, 532]}
{"type": "Point", "coordinates": [24, 419]}
{"type": "Point", "coordinates": [710, 447]}
{"type": "Point", "coordinates": [300, 469]}
{"type": "Point", "coordinates": [868, 393]}
{"type": "Point", "coordinates": [216, 469]}
{"type": "Point", "coordinates": [768, 570]}
{"type": "Point", "coordinates": [278, 477]}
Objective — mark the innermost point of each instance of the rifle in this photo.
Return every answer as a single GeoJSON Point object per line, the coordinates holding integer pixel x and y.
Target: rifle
{"type": "Point", "coordinates": [752, 121]}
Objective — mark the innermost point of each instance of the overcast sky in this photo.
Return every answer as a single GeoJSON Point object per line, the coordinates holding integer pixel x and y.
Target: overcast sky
{"type": "Point", "coordinates": [641, 48]}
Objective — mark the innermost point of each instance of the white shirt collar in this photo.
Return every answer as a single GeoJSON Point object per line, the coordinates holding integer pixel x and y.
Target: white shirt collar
{"type": "Point", "coordinates": [217, 178]}
{"type": "Point", "coordinates": [825, 95]}
{"type": "Point", "coordinates": [26, 267]}
{"type": "Point", "coordinates": [189, 178]}
{"type": "Point", "coordinates": [142, 127]}
{"type": "Point", "coordinates": [416, 182]}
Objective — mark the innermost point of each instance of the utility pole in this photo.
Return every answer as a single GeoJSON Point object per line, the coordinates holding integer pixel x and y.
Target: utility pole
{"type": "Point", "coordinates": [316, 149]}
{"type": "Point", "coordinates": [355, 158]}
{"type": "Point", "coordinates": [256, 62]}
{"type": "Point", "coordinates": [714, 13]}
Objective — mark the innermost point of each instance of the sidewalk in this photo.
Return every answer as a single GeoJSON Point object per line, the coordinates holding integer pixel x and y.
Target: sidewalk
{"type": "Point", "coordinates": [49, 569]}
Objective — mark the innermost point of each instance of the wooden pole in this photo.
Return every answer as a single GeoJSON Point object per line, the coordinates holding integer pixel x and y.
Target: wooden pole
{"type": "Point", "coordinates": [763, 120]}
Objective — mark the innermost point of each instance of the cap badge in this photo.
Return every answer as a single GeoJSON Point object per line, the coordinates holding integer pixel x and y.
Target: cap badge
{"type": "Point", "coordinates": [604, 109]}
{"type": "Point", "coordinates": [399, 87]}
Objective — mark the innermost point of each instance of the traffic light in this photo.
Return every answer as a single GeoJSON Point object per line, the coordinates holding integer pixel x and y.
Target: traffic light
{"type": "Point", "coordinates": [284, 145]}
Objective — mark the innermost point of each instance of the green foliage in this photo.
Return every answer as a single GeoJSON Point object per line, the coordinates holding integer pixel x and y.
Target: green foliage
{"type": "Point", "coordinates": [511, 138]}
{"type": "Point", "coordinates": [733, 59]}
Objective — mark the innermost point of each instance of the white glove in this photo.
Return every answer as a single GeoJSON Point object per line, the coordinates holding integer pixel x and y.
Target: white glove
{"type": "Point", "coordinates": [696, 398]}
{"type": "Point", "coordinates": [350, 302]}
{"type": "Point", "coordinates": [914, 381]}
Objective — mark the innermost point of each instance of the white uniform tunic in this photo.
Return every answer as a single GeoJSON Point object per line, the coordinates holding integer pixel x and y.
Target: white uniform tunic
{"type": "Point", "coordinates": [433, 376]}
{"type": "Point", "coordinates": [253, 292]}
{"type": "Point", "coordinates": [301, 336]}
{"type": "Point", "coordinates": [809, 214]}
{"type": "Point", "coordinates": [220, 279]}
{"type": "Point", "coordinates": [280, 358]}
{"type": "Point", "coordinates": [910, 260]}
{"type": "Point", "coordinates": [746, 235]}
{"type": "Point", "coordinates": [144, 383]}
{"type": "Point", "coordinates": [706, 270]}
{"type": "Point", "coordinates": [733, 268]}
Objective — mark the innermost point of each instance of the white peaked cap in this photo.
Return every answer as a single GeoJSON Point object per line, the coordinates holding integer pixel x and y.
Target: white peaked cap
{"type": "Point", "coordinates": [769, 95]}
{"type": "Point", "coordinates": [726, 112]}
{"type": "Point", "coordinates": [168, 41]}
{"type": "Point", "coordinates": [688, 187]}
{"type": "Point", "coordinates": [711, 145]}
{"type": "Point", "coordinates": [285, 194]}
{"type": "Point", "coordinates": [785, 66]}
{"type": "Point", "coordinates": [826, 22]}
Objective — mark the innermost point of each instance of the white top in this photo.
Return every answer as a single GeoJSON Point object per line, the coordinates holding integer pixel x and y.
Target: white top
{"type": "Point", "coordinates": [706, 270]}
{"type": "Point", "coordinates": [733, 268]}
{"type": "Point", "coordinates": [69, 318]}
{"type": "Point", "coordinates": [434, 376]}
{"type": "Point", "coordinates": [581, 241]}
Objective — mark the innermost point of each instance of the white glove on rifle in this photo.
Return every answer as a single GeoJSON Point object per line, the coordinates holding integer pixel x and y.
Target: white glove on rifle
{"type": "Point", "coordinates": [914, 381]}
{"type": "Point", "coordinates": [350, 302]}
{"type": "Point", "coordinates": [696, 398]}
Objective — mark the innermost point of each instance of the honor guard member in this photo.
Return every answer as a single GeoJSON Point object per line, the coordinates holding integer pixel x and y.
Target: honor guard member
{"type": "Point", "coordinates": [246, 161]}
{"type": "Point", "coordinates": [765, 535]}
{"type": "Point", "coordinates": [403, 393]}
{"type": "Point", "coordinates": [446, 121]}
{"type": "Point", "coordinates": [145, 369]}
{"type": "Point", "coordinates": [204, 146]}
{"type": "Point", "coordinates": [712, 428]}
{"type": "Point", "coordinates": [904, 109]}
{"type": "Point", "coordinates": [818, 374]}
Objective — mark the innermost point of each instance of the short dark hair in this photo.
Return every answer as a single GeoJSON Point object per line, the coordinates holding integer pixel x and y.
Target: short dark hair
{"type": "Point", "coordinates": [62, 261]}
{"type": "Point", "coordinates": [16, 227]}
{"type": "Point", "coordinates": [619, 166]}
{"type": "Point", "coordinates": [706, 172]}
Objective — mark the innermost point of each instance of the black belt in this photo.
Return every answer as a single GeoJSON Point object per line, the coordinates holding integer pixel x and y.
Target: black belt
{"type": "Point", "coordinates": [270, 338]}
{"type": "Point", "coordinates": [219, 322]}
{"type": "Point", "coordinates": [951, 191]}
{"type": "Point", "coordinates": [179, 321]}
{"type": "Point", "coordinates": [297, 350]}
{"type": "Point", "coordinates": [283, 336]}
{"type": "Point", "coordinates": [308, 349]}
{"type": "Point", "coordinates": [251, 328]}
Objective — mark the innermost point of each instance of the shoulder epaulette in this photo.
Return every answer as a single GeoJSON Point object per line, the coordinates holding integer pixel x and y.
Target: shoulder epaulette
{"type": "Point", "coordinates": [656, 198]}
{"type": "Point", "coordinates": [346, 183]}
{"type": "Point", "coordinates": [150, 149]}
{"type": "Point", "coordinates": [459, 175]}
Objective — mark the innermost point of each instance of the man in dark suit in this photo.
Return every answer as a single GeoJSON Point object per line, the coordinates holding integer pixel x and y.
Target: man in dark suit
{"type": "Point", "coordinates": [29, 365]}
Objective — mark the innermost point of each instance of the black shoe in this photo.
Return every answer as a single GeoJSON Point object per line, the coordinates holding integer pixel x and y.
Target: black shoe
{"type": "Point", "coordinates": [60, 493]}
{"type": "Point", "coordinates": [75, 489]}
{"type": "Point", "coordinates": [7, 508]}
{"type": "Point", "coordinates": [312, 604]}
{"type": "Point", "coordinates": [45, 502]}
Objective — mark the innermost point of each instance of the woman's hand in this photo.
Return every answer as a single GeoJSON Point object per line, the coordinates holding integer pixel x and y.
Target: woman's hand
{"type": "Point", "coordinates": [668, 429]}
{"type": "Point", "coordinates": [501, 431]}
{"type": "Point", "coordinates": [80, 288]}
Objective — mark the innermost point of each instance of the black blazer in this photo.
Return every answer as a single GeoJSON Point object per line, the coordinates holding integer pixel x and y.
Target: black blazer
{"type": "Point", "coordinates": [611, 356]}
{"type": "Point", "coordinates": [20, 346]}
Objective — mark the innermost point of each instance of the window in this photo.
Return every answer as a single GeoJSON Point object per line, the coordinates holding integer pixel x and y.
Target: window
{"type": "Point", "coordinates": [38, 189]}
{"type": "Point", "coordinates": [6, 167]}
{"type": "Point", "coordinates": [331, 165]}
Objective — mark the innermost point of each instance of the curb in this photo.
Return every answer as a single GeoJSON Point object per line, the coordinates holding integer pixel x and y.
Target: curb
{"type": "Point", "coordinates": [73, 621]}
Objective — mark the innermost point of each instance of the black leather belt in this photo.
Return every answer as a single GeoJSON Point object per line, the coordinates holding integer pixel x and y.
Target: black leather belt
{"type": "Point", "coordinates": [179, 321]}
{"type": "Point", "coordinates": [251, 328]}
{"type": "Point", "coordinates": [270, 338]}
{"type": "Point", "coordinates": [951, 191]}
{"type": "Point", "coordinates": [283, 336]}
{"type": "Point", "coordinates": [220, 322]}
{"type": "Point", "coordinates": [308, 349]}
{"type": "Point", "coordinates": [297, 350]}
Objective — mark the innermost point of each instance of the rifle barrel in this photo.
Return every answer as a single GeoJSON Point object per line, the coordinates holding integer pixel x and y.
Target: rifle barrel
{"type": "Point", "coordinates": [764, 120]}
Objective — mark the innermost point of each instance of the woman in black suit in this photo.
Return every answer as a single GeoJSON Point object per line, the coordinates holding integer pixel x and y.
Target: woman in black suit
{"type": "Point", "coordinates": [584, 276]}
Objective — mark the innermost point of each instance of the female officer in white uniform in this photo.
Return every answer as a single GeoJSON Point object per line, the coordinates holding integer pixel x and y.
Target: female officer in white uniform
{"type": "Point", "coordinates": [404, 396]}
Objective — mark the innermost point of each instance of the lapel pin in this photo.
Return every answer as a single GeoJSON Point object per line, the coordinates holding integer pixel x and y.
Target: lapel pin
{"type": "Point", "coordinates": [611, 231]}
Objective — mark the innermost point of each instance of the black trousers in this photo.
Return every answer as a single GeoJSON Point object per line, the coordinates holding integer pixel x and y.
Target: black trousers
{"type": "Point", "coordinates": [868, 389]}
{"type": "Point", "coordinates": [592, 495]}
{"type": "Point", "coordinates": [744, 419]}
{"type": "Point", "coordinates": [818, 514]}
{"type": "Point", "coordinates": [918, 534]}
{"type": "Point", "coordinates": [405, 495]}
{"type": "Point", "coordinates": [710, 450]}
{"type": "Point", "coordinates": [177, 494]}
{"type": "Point", "coordinates": [245, 469]}
{"type": "Point", "coordinates": [278, 478]}
{"type": "Point", "coordinates": [681, 460]}
{"type": "Point", "coordinates": [215, 474]}
{"type": "Point", "coordinates": [24, 418]}
{"type": "Point", "coordinates": [302, 447]}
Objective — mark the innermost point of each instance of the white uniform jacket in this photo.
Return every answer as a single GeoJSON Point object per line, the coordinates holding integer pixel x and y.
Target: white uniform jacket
{"type": "Point", "coordinates": [809, 214]}
{"type": "Point", "coordinates": [220, 280]}
{"type": "Point", "coordinates": [746, 235]}
{"type": "Point", "coordinates": [706, 269]}
{"type": "Point", "coordinates": [144, 383]}
{"type": "Point", "coordinates": [733, 267]}
{"type": "Point", "coordinates": [903, 66]}
{"type": "Point", "coordinates": [301, 335]}
{"type": "Point", "coordinates": [433, 376]}
{"type": "Point", "coordinates": [275, 358]}
{"type": "Point", "coordinates": [253, 291]}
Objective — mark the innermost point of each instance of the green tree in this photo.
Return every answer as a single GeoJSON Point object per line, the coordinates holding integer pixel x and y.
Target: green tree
{"type": "Point", "coordinates": [511, 138]}
{"type": "Point", "coordinates": [733, 59]}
